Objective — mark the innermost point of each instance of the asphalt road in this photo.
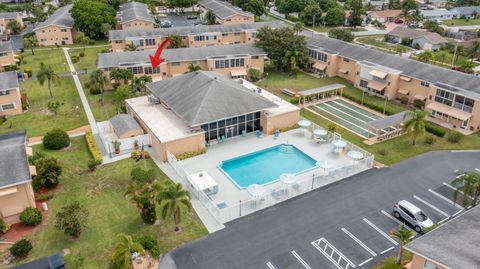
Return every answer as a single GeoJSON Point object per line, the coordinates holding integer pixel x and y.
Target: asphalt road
{"type": "Point", "coordinates": [347, 215]}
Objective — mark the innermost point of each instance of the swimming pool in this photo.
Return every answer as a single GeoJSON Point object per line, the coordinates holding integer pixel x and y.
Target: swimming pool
{"type": "Point", "coordinates": [265, 166]}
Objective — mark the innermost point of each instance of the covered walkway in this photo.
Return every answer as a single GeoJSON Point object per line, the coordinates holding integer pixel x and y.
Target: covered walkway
{"type": "Point", "coordinates": [316, 94]}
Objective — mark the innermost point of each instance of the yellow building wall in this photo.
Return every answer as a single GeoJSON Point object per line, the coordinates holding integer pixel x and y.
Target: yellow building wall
{"type": "Point", "coordinates": [12, 98]}
{"type": "Point", "coordinates": [8, 59]}
{"type": "Point", "coordinates": [285, 120]}
{"type": "Point", "coordinates": [12, 205]}
{"type": "Point", "coordinates": [136, 24]}
{"type": "Point", "coordinates": [418, 262]}
{"type": "Point", "coordinates": [4, 22]}
{"type": "Point", "coordinates": [238, 19]}
{"type": "Point", "coordinates": [53, 35]}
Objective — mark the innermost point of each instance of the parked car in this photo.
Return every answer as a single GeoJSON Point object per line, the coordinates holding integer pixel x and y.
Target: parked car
{"type": "Point", "coordinates": [413, 215]}
{"type": "Point", "coordinates": [191, 17]}
{"type": "Point", "coordinates": [456, 68]}
{"type": "Point", "coordinates": [398, 21]}
{"type": "Point", "coordinates": [166, 24]}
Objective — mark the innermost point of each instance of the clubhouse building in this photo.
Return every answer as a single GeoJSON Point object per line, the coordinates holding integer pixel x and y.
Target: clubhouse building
{"type": "Point", "coordinates": [452, 98]}
{"type": "Point", "coordinates": [186, 113]}
{"type": "Point", "coordinates": [198, 36]}
{"type": "Point", "coordinates": [230, 60]}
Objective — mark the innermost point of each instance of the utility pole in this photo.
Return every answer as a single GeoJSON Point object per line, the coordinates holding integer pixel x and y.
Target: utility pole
{"type": "Point", "coordinates": [313, 25]}
{"type": "Point", "coordinates": [454, 54]}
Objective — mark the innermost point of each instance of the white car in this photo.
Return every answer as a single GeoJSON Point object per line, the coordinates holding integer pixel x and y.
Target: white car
{"type": "Point", "coordinates": [413, 215]}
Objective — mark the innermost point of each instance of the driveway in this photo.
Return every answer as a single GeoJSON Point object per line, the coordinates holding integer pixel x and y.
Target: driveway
{"type": "Point", "coordinates": [343, 225]}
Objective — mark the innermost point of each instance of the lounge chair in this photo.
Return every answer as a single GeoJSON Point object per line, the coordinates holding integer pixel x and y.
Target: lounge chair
{"type": "Point", "coordinates": [277, 194]}
{"type": "Point", "coordinates": [244, 132]}
{"type": "Point", "coordinates": [223, 138]}
{"type": "Point", "coordinates": [277, 134]}
{"type": "Point", "coordinates": [222, 205]}
{"type": "Point", "coordinates": [258, 134]}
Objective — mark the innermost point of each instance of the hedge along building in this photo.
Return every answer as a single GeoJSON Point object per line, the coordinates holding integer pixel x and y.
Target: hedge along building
{"type": "Point", "coordinates": [452, 98]}
{"type": "Point", "coordinates": [57, 29]}
{"type": "Point", "coordinates": [230, 60]}
{"type": "Point", "coordinates": [16, 192]}
{"type": "Point", "coordinates": [135, 15]}
{"type": "Point", "coordinates": [225, 13]}
{"type": "Point", "coordinates": [189, 111]}
{"type": "Point", "coordinates": [198, 36]}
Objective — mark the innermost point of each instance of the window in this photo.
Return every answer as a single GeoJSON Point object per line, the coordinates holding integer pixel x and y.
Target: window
{"type": "Point", "coordinates": [108, 69]}
{"type": "Point", "coordinates": [65, 38]}
{"type": "Point", "coordinates": [150, 42]}
{"type": "Point", "coordinates": [176, 64]}
{"type": "Point", "coordinates": [463, 103]}
{"type": "Point", "coordinates": [6, 92]}
{"type": "Point", "coordinates": [136, 69]}
{"type": "Point", "coordinates": [237, 34]}
{"type": "Point", "coordinates": [363, 84]}
{"type": "Point", "coordinates": [204, 37]}
{"type": "Point", "coordinates": [3, 54]}
{"type": "Point", "coordinates": [149, 70]}
{"type": "Point", "coordinates": [444, 97]}
{"type": "Point", "coordinates": [8, 106]}
{"type": "Point", "coordinates": [346, 60]}
{"type": "Point", "coordinates": [255, 57]}
{"type": "Point", "coordinates": [318, 55]}
{"type": "Point", "coordinates": [63, 30]}
{"type": "Point", "coordinates": [429, 265]}
{"type": "Point", "coordinates": [254, 34]}
{"type": "Point", "coordinates": [425, 83]}
{"type": "Point", "coordinates": [225, 34]}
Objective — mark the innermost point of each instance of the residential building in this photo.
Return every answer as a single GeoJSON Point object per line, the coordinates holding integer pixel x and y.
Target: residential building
{"type": "Point", "coordinates": [472, 12]}
{"type": "Point", "coordinates": [16, 192]}
{"type": "Point", "coordinates": [417, 38]}
{"type": "Point", "coordinates": [5, 18]}
{"type": "Point", "coordinates": [7, 57]}
{"type": "Point", "coordinates": [198, 36]}
{"type": "Point", "coordinates": [454, 244]}
{"type": "Point", "coordinates": [57, 29]}
{"type": "Point", "coordinates": [437, 14]}
{"type": "Point", "coordinates": [383, 16]}
{"type": "Point", "coordinates": [10, 98]}
{"type": "Point", "coordinates": [452, 98]}
{"type": "Point", "coordinates": [135, 15]}
{"type": "Point", "coordinates": [225, 12]}
{"type": "Point", "coordinates": [188, 112]}
{"type": "Point", "coordinates": [230, 60]}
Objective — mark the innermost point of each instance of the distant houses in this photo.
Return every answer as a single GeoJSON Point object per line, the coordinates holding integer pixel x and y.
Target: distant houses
{"type": "Point", "coordinates": [135, 15]}
{"type": "Point", "coordinates": [7, 56]}
{"type": "Point", "coordinates": [472, 12]}
{"type": "Point", "coordinates": [225, 13]}
{"type": "Point", "coordinates": [6, 17]}
{"type": "Point", "coordinates": [437, 14]}
{"type": "Point", "coordinates": [10, 98]}
{"type": "Point", "coordinates": [57, 29]}
{"type": "Point", "coordinates": [383, 16]}
{"type": "Point", "coordinates": [416, 38]}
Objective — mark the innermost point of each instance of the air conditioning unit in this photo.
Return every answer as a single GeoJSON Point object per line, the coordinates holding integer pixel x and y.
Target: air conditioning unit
{"type": "Point", "coordinates": [152, 99]}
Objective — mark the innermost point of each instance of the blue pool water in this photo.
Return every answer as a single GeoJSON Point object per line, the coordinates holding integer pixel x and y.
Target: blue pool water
{"type": "Point", "coordinates": [265, 166]}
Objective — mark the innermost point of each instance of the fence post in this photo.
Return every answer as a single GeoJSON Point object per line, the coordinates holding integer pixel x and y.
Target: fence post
{"type": "Point", "coordinates": [313, 179]}
{"type": "Point", "coordinates": [240, 207]}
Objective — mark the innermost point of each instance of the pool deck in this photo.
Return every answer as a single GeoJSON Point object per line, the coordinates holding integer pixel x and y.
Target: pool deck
{"type": "Point", "coordinates": [231, 195]}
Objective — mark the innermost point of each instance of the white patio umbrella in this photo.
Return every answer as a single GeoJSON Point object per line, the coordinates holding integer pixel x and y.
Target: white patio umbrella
{"type": "Point", "coordinates": [320, 132]}
{"type": "Point", "coordinates": [304, 123]}
{"type": "Point", "coordinates": [339, 143]}
{"type": "Point", "coordinates": [325, 165]}
{"type": "Point", "coordinates": [255, 190]}
{"type": "Point", "coordinates": [356, 155]}
{"type": "Point", "coordinates": [288, 178]}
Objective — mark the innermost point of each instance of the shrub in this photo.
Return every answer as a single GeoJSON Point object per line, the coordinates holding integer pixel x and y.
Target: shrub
{"type": "Point", "coordinates": [285, 129]}
{"type": "Point", "coordinates": [404, 100]}
{"type": "Point", "coordinates": [332, 127]}
{"type": "Point", "coordinates": [71, 219]}
{"type": "Point", "coordinates": [142, 175]}
{"type": "Point", "coordinates": [31, 216]}
{"type": "Point", "coordinates": [94, 91]}
{"type": "Point", "coordinates": [11, 67]}
{"type": "Point", "coordinates": [4, 227]}
{"type": "Point", "coordinates": [21, 248]}
{"type": "Point", "coordinates": [45, 196]}
{"type": "Point", "coordinates": [81, 54]}
{"type": "Point", "coordinates": [136, 154]}
{"type": "Point", "coordinates": [430, 139]}
{"type": "Point", "coordinates": [454, 137]}
{"type": "Point", "coordinates": [93, 147]}
{"type": "Point", "coordinates": [91, 42]}
{"type": "Point", "coordinates": [2, 119]}
{"type": "Point", "coordinates": [418, 103]}
{"type": "Point", "coordinates": [382, 151]}
{"type": "Point", "coordinates": [254, 74]}
{"type": "Point", "coordinates": [149, 243]}
{"type": "Point", "coordinates": [294, 100]}
{"type": "Point", "coordinates": [75, 58]}
{"type": "Point", "coordinates": [92, 165]}
{"type": "Point", "coordinates": [377, 107]}
{"type": "Point", "coordinates": [48, 172]}
{"type": "Point", "coordinates": [29, 71]}
{"type": "Point", "coordinates": [191, 154]}
{"type": "Point", "coordinates": [56, 139]}
{"type": "Point", "coordinates": [392, 265]}
{"type": "Point", "coordinates": [435, 129]}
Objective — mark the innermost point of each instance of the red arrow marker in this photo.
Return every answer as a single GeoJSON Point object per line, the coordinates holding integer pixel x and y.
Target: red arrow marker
{"type": "Point", "coordinates": [156, 60]}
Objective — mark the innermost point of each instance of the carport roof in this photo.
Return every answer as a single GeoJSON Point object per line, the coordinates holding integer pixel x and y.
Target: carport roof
{"type": "Point", "coordinates": [453, 244]}
{"type": "Point", "coordinates": [13, 159]}
{"type": "Point", "coordinates": [134, 11]}
{"type": "Point", "coordinates": [388, 121]}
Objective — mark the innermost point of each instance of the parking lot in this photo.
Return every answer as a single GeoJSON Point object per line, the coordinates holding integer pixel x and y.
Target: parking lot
{"type": "Point", "coordinates": [180, 20]}
{"type": "Point", "coordinates": [358, 243]}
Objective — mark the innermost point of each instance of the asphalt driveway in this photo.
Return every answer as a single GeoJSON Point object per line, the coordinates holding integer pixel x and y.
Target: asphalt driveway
{"type": "Point", "coordinates": [343, 225]}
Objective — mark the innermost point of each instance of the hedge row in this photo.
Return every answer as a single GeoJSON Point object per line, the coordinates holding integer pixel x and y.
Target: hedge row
{"type": "Point", "coordinates": [93, 147]}
{"type": "Point", "coordinates": [191, 154]}
{"type": "Point", "coordinates": [434, 129]}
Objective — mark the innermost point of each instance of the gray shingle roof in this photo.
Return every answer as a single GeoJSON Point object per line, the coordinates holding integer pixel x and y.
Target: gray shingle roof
{"type": "Point", "coordinates": [466, 11]}
{"type": "Point", "coordinates": [205, 96]}
{"type": "Point", "coordinates": [187, 30]}
{"type": "Point", "coordinates": [123, 123]}
{"type": "Point", "coordinates": [223, 9]}
{"type": "Point", "coordinates": [134, 11]}
{"type": "Point", "coordinates": [13, 159]}
{"type": "Point", "coordinates": [9, 15]}
{"type": "Point", "coordinates": [436, 12]}
{"type": "Point", "coordinates": [8, 80]}
{"type": "Point", "coordinates": [415, 69]}
{"type": "Point", "coordinates": [454, 244]}
{"type": "Point", "coordinates": [117, 59]}
{"type": "Point", "coordinates": [6, 46]}
{"type": "Point", "coordinates": [407, 32]}
{"type": "Point", "coordinates": [61, 17]}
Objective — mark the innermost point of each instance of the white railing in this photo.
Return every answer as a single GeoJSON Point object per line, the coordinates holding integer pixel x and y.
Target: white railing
{"type": "Point", "coordinates": [107, 136]}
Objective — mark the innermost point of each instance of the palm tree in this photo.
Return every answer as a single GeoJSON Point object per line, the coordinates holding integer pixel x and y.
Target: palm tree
{"type": "Point", "coordinates": [441, 55]}
{"type": "Point", "coordinates": [82, 39]}
{"type": "Point", "coordinates": [143, 196]}
{"type": "Point", "coordinates": [140, 82]}
{"type": "Point", "coordinates": [425, 56]}
{"type": "Point", "coordinates": [173, 201]}
{"type": "Point", "coordinates": [415, 122]}
{"type": "Point", "coordinates": [298, 27]}
{"type": "Point", "coordinates": [125, 246]}
{"type": "Point", "coordinates": [121, 75]}
{"type": "Point", "coordinates": [192, 67]}
{"type": "Point", "coordinates": [470, 185]}
{"type": "Point", "coordinates": [98, 80]}
{"type": "Point", "coordinates": [400, 49]}
{"type": "Point", "coordinates": [474, 51]}
{"type": "Point", "coordinates": [467, 66]}
{"type": "Point", "coordinates": [210, 18]}
{"type": "Point", "coordinates": [404, 236]}
{"type": "Point", "coordinates": [131, 47]}
{"type": "Point", "coordinates": [30, 43]}
{"type": "Point", "coordinates": [176, 41]}
{"type": "Point", "coordinates": [46, 73]}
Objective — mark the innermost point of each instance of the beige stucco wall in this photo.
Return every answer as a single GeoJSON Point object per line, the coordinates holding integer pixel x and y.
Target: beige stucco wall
{"type": "Point", "coordinates": [418, 262]}
{"type": "Point", "coordinates": [285, 120]}
{"type": "Point", "coordinates": [176, 147]}
{"type": "Point", "coordinates": [131, 133]}
{"type": "Point", "coordinates": [414, 87]}
{"type": "Point", "coordinates": [237, 19]}
{"type": "Point", "coordinates": [136, 24]}
{"type": "Point", "coordinates": [12, 98]}
{"type": "Point", "coordinates": [12, 205]}
{"type": "Point", "coordinates": [8, 59]}
{"type": "Point", "coordinates": [53, 35]}
{"type": "Point", "coordinates": [4, 22]}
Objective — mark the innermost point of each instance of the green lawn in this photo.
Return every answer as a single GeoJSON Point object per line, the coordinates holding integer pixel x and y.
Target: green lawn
{"type": "Point", "coordinates": [38, 120]}
{"type": "Point", "coordinates": [461, 22]}
{"type": "Point", "coordinates": [53, 57]}
{"type": "Point", "coordinates": [377, 41]}
{"type": "Point", "coordinates": [89, 61]}
{"type": "Point", "coordinates": [396, 149]}
{"type": "Point", "coordinates": [110, 213]}
{"type": "Point", "coordinates": [328, 28]}
{"type": "Point", "coordinates": [100, 112]}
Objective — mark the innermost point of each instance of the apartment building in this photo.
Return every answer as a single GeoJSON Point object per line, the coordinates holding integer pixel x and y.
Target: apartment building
{"type": "Point", "coordinates": [453, 245]}
{"type": "Point", "coordinates": [16, 192]}
{"type": "Point", "coordinates": [7, 57]}
{"type": "Point", "coordinates": [10, 97]}
{"type": "Point", "coordinates": [198, 36]}
{"type": "Point", "coordinates": [452, 98]}
{"type": "Point", "coordinates": [5, 18]}
{"type": "Point", "coordinates": [57, 29]}
{"type": "Point", "coordinates": [135, 15]}
{"type": "Point", "coordinates": [229, 60]}
{"type": "Point", "coordinates": [225, 13]}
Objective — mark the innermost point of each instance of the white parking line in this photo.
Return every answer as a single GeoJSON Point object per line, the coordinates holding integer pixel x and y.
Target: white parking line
{"type": "Point", "coordinates": [446, 199]}
{"type": "Point", "coordinates": [359, 242]}
{"type": "Point", "coordinates": [364, 262]}
{"type": "Point", "coordinates": [270, 265]}
{"type": "Point", "coordinates": [387, 250]}
{"type": "Point", "coordinates": [380, 231]}
{"type": "Point", "coordinates": [455, 214]}
{"type": "Point", "coordinates": [456, 189]}
{"type": "Point", "coordinates": [432, 206]}
{"type": "Point", "coordinates": [301, 260]}
{"type": "Point", "coordinates": [397, 221]}
{"type": "Point", "coordinates": [328, 250]}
